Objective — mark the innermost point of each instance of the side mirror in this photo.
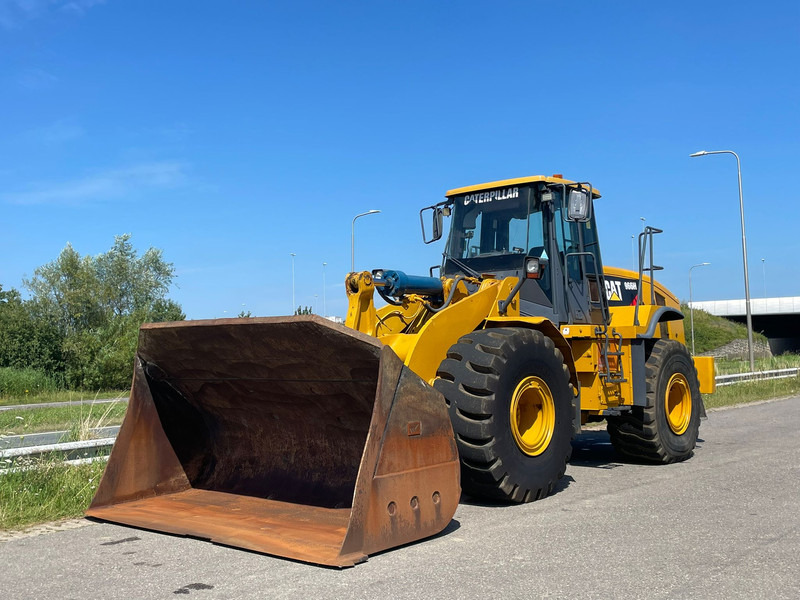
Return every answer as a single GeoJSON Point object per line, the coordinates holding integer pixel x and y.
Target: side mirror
{"type": "Point", "coordinates": [579, 205]}
{"type": "Point", "coordinates": [438, 221]}
{"type": "Point", "coordinates": [437, 217]}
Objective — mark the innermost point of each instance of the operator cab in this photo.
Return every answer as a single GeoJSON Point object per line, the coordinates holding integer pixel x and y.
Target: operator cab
{"type": "Point", "coordinates": [538, 228]}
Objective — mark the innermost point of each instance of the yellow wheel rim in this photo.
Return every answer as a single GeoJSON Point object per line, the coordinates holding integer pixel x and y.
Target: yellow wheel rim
{"type": "Point", "coordinates": [678, 405]}
{"type": "Point", "coordinates": [533, 416]}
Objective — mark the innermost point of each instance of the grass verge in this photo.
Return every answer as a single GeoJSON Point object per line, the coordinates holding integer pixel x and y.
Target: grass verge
{"type": "Point", "coordinates": [58, 396]}
{"type": "Point", "coordinates": [49, 492]}
{"type": "Point", "coordinates": [78, 419]}
{"type": "Point", "coordinates": [743, 393]}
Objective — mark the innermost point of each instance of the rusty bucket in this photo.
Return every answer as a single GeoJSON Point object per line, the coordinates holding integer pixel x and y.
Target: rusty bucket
{"type": "Point", "coordinates": [292, 436]}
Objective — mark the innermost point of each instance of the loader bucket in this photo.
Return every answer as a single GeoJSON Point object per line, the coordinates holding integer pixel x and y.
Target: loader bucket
{"type": "Point", "coordinates": [292, 436]}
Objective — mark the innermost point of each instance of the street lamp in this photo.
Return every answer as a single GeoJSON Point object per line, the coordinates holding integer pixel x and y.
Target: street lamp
{"type": "Point", "coordinates": [292, 254]}
{"type": "Point", "coordinates": [353, 238]}
{"type": "Point", "coordinates": [691, 308]}
{"type": "Point", "coordinates": [744, 253]}
{"type": "Point", "coordinates": [644, 222]}
{"type": "Point", "coordinates": [324, 306]}
{"type": "Point", "coordinates": [764, 273]}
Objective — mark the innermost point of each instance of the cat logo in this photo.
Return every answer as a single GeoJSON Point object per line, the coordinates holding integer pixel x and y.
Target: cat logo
{"type": "Point", "coordinates": [614, 290]}
{"type": "Point", "coordinates": [503, 194]}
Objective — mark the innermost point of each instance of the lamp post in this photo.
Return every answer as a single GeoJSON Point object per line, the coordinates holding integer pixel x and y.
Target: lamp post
{"type": "Point", "coordinates": [324, 306]}
{"type": "Point", "coordinates": [764, 273]}
{"type": "Point", "coordinates": [292, 254]}
{"type": "Point", "coordinates": [691, 308]}
{"type": "Point", "coordinates": [644, 222]}
{"type": "Point", "coordinates": [744, 253]}
{"type": "Point", "coordinates": [353, 238]}
{"type": "Point", "coordinates": [633, 254]}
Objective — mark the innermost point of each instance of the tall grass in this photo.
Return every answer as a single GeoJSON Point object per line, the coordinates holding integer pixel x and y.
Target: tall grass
{"type": "Point", "coordinates": [63, 396]}
{"type": "Point", "coordinates": [784, 361]}
{"type": "Point", "coordinates": [49, 492]}
{"type": "Point", "coordinates": [96, 416]}
{"type": "Point", "coordinates": [26, 382]}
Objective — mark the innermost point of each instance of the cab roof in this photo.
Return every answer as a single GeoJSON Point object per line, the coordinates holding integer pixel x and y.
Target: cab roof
{"type": "Point", "coordinates": [517, 181]}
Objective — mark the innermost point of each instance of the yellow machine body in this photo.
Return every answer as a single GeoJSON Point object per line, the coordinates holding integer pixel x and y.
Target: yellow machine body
{"type": "Point", "coordinates": [423, 346]}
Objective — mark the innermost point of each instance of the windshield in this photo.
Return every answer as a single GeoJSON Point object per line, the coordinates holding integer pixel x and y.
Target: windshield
{"type": "Point", "coordinates": [496, 222]}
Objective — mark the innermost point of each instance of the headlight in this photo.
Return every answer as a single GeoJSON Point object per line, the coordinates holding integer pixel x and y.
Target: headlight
{"type": "Point", "coordinates": [532, 268]}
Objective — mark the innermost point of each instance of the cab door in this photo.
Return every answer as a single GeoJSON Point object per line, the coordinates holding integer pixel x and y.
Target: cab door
{"type": "Point", "coordinates": [579, 255]}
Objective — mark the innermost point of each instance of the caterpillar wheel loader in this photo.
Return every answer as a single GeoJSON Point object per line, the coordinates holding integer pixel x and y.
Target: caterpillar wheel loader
{"type": "Point", "coordinates": [302, 438]}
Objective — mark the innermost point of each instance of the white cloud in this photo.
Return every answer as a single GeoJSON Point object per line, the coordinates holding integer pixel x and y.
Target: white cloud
{"type": "Point", "coordinates": [103, 186]}
{"type": "Point", "coordinates": [15, 13]}
{"type": "Point", "coordinates": [78, 6]}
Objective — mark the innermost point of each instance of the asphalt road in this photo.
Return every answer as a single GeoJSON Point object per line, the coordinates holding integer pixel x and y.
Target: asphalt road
{"type": "Point", "coordinates": [725, 524]}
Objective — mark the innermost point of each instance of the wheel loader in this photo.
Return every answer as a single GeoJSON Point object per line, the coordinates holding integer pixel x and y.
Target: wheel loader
{"type": "Point", "coordinates": [319, 442]}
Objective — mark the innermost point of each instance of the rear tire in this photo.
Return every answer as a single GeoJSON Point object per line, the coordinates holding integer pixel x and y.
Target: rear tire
{"type": "Point", "coordinates": [666, 430]}
{"type": "Point", "coordinates": [511, 405]}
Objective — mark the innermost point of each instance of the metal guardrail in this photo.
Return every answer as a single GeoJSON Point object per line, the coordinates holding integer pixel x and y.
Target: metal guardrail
{"type": "Point", "coordinates": [52, 437]}
{"type": "Point", "coordinates": [69, 449]}
{"type": "Point", "coordinates": [70, 453]}
{"type": "Point", "coordinates": [756, 376]}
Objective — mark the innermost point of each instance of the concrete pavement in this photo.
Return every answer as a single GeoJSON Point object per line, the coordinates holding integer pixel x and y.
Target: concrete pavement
{"type": "Point", "coordinates": [724, 524]}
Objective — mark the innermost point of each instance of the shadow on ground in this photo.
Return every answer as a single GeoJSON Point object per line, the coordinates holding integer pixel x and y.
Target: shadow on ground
{"type": "Point", "coordinates": [561, 485]}
{"type": "Point", "coordinates": [592, 448]}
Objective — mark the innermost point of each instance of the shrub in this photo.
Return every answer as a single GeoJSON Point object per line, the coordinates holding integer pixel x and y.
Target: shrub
{"type": "Point", "coordinates": [21, 382]}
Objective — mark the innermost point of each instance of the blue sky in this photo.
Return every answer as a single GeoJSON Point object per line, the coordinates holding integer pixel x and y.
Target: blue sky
{"type": "Point", "coordinates": [231, 134]}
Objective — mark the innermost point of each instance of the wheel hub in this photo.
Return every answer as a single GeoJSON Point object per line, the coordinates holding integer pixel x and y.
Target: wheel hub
{"type": "Point", "coordinates": [678, 403]}
{"type": "Point", "coordinates": [533, 416]}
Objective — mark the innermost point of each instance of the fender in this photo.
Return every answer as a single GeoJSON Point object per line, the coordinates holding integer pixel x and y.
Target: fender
{"type": "Point", "coordinates": [663, 314]}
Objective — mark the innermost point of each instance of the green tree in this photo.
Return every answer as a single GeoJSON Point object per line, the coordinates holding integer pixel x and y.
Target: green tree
{"type": "Point", "coordinates": [303, 310]}
{"type": "Point", "coordinates": [83, 292]}
{"type": "Point", "coordinates": [97, 305]}
{"type": "Point", "coordinates": [26, 341]}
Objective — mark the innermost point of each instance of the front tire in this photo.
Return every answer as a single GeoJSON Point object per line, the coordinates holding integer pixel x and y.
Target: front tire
{"type": "Point", "coordinates": [665, 431]}
{"type": "Point", "coordinates": [511, 405]}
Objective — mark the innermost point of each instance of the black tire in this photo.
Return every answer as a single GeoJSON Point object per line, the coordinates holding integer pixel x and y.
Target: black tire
{"type": "Point", "coordinates": [480, 378]}
{"type": "Point", "coordinates": [649, 433]}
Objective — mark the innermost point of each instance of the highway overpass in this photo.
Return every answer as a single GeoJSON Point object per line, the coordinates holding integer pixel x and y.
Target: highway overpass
{"type": "Point", "coordinates": [776, 318]}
